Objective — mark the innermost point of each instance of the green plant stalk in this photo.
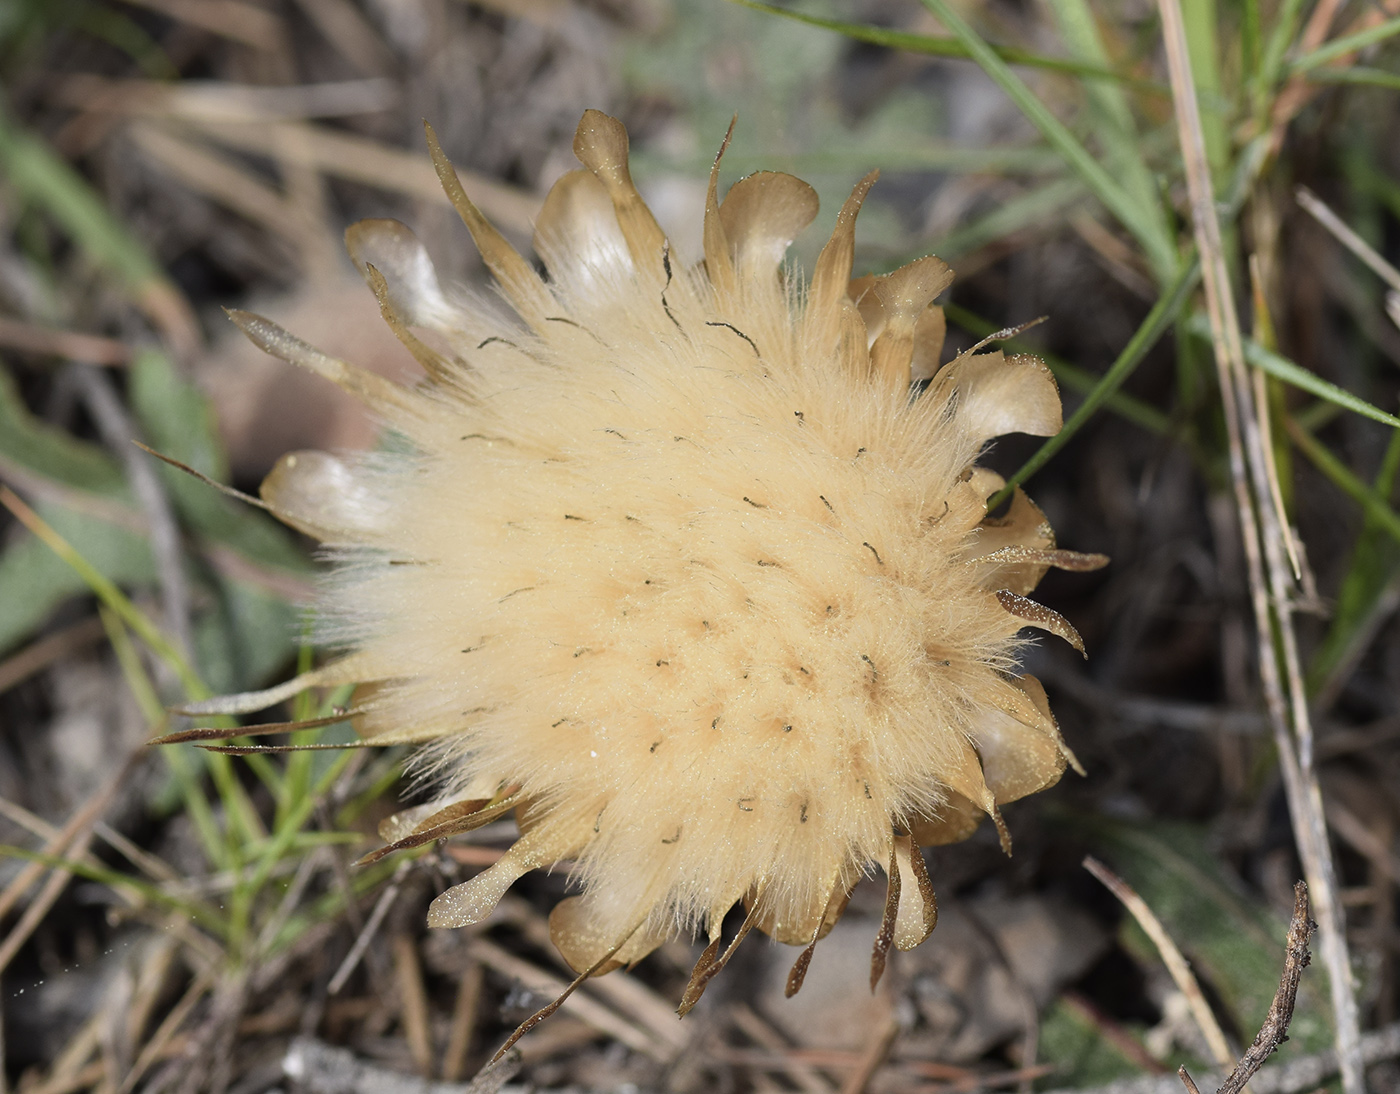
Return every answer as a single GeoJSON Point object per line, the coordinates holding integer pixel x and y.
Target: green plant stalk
{"type": "Point", "coordinates": [933, 46]}
{"type": "Point", "coordinates": [296, 780]}
{"type": "Point", "coordinates": [1373, 504]}
{"type": "Point", "coordinates": [43, 180]}
{"type": "Point", "coordinates": [332, 904]}
{"type": "Point", "coordinates": [1107, 101]}
{"type": "Point", "coordinates": [241, 811]}
{"type": "Point", "coordinates": [1282, 368]}
{"type": "Point", "coordinates": [1160, 251]}
{"type": "Point", "coordinates": [106, 592]}
{"type": "Point", "coordinates": [1251, 37]}
{"type": "Point", "coordinates": [1266, 79]}
{"type": "Point", "coordinates": [1372, 568]}
{"type": "Point", "coordinates": [176, 758]}
{"type": "Point", "coordinates": [1349, 43]}
{"type": "Point", "coordinates": [1356, 74]}
{"type": "Point", "coordinates": [1162, 315]}
{"type": "Point", "coordinates": [202, 914]}
{"type": "Point", "coordinates": [246, 892]}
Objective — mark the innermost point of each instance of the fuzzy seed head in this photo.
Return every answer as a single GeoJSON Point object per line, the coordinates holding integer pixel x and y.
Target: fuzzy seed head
{"type": "Point", "coordinates": [691, 568]}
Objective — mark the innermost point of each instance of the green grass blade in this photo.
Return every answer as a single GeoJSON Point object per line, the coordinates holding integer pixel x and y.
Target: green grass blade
{"type": "Point", "coordinates": [1036, 208]}
{"type": "Point", "coordinates": [1113, 117]}
{"type": "Point", "coordinates": [1373, 504]}
{"type": "Point", "coordinates": [283, 841]}
{"type": "Point", "coordinates": [178, 758]}
{"type": "Point", "coordinates": [297, 772]}
{"type": "Point", "coordinates": [934, 46]}
{"type": "Point", "coordinates": [1356, 74]}
{"type": "Point", "coordinates": [235, 798]}
{"type": "Point", "coordinates": [200, 913]}
{"type": "Point", "coordinates": [54, 453]}
{"type": "Point", "coordinates": [1282, 368]}
{"type": "Point", "coordinates": [1348, 43]}
{"type": "Point", "coordinates": [1251, 36]}
{"type": "Point", "coordinates": [1271, 64]}
{"type": "Point", "coordinates": [1374, 565]}
{"type": "Point", "coordinates": [107, 593]}
{"type": "Point", "coordinates": [43, 180]}
{"type": "Point", "coordinates": [1161, 253]}
{"type": "Point", "coordinates": [1161, 317]}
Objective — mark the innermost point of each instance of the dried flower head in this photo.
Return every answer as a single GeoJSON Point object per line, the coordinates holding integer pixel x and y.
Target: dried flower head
{"type": "Point", "coordinates": [690, 568]}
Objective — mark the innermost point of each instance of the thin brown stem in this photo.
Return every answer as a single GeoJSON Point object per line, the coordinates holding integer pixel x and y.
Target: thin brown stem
{"type": "Point", "coordinates": [1274, 1031]}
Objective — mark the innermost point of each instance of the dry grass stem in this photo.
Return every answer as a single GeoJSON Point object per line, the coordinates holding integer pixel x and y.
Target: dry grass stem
{"type": "Point", "coordinates": [1113, 1032]}
{"type": "Point", "coordinates": [580, 1004]}
{"type": "Point", "coordinates": [162, 158]}
{"type": "Point", "coordinates": [1300, 1076]}
{"type": "Point", "coordinates": [1344, 235]}
{"type": "Point", "coordinates": [215, 101]}
{"type": "Point", "coordinates": [72, 841]}
{"type": "Point", "coordinates": [413, 1002]}
{"type": "Point", "coordinates": [366, 936]}
{"type": "Point", "coordinates": [464, 1018]}
{"type": "Point", "coordinates": [70, 345]}
{"type": "Point", "coordinates": [225, 181]}
{"type": "Point", "coordinates": [155, 1048]}
{"type": "Point", "coordinates": [1269, 576]}
{"type": "Point", "coordinates": [44, 652]}
{"type": "Point", "coordinates": [1378, 851]}
{"type": "Point", "coordinates": [1172, 957]}
{"type": "Point", "coordinates": [872, 1059]}
{"type": "Point", "coordinates": [1357, 246]}
{"type": "Point", "coordinates": [359, 159]}
{"type": "Point", "coordinates": [233, 19]}
{"type": "Point", "coordinates": [801, 1069]}
{"type": "Point", "coordinates": [352, 35]}
{"type": "Point", "coordinates": [118, 431]}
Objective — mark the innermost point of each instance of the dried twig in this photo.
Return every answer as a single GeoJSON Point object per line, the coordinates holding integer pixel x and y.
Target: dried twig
{"type": "Point", "coordinates": [1270, 578]}
{"type": "Point", "coordinates": [376, 917]}
{"type": "Point", "coordinates": [1348, 238]}
{"type": "Point", "coordinates": [1274, 1031]}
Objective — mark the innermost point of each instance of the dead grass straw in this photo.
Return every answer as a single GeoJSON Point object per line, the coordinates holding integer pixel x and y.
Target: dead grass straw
{"type": "Point", "coordinates": [1270, 579]}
